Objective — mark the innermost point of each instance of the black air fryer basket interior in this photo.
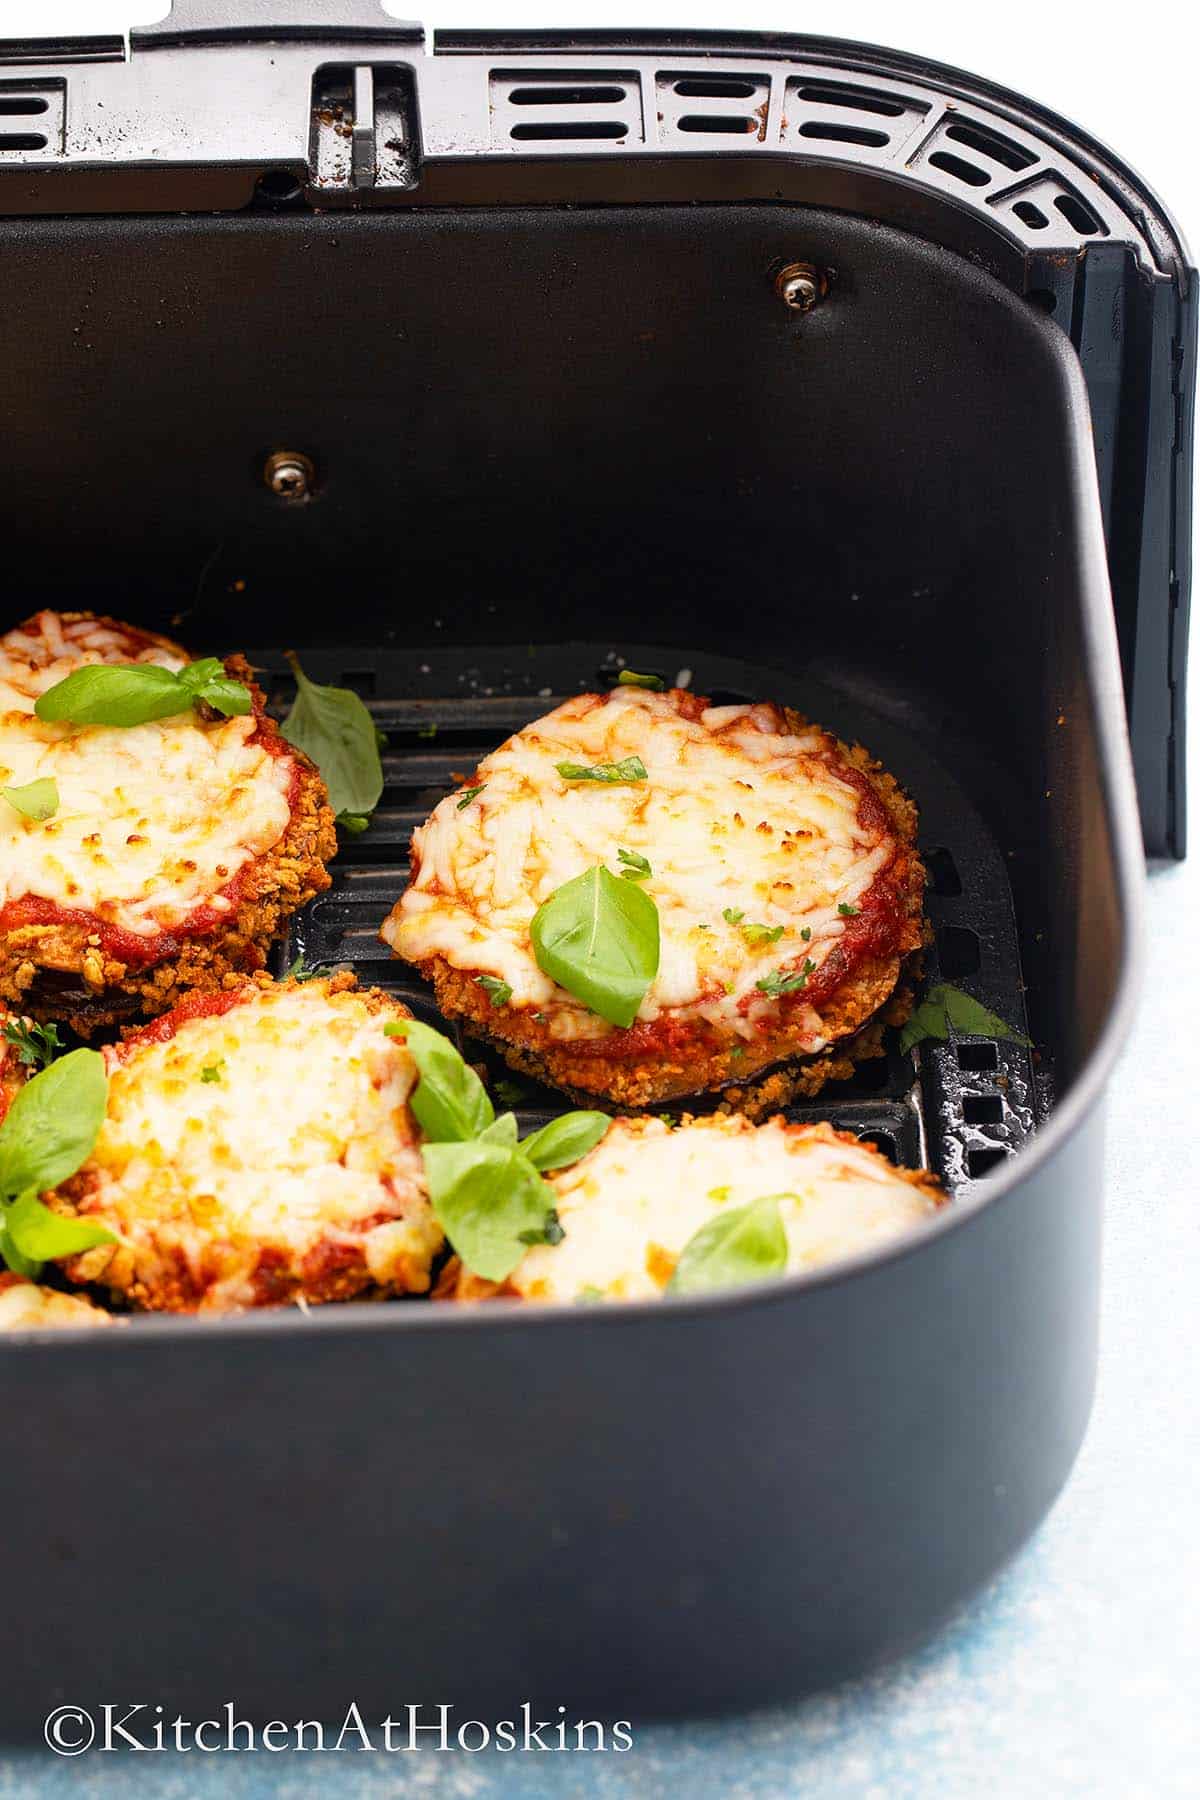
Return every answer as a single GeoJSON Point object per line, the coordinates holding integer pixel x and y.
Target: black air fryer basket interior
{"type": "Point", "coordinates": [518, 303]}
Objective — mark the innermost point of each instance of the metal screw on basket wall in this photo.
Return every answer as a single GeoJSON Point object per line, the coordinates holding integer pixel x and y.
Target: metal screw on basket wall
{"type": "Point", "coordinates": [801, 286]}
{"type": "Point", "coordinates": [289, 473]}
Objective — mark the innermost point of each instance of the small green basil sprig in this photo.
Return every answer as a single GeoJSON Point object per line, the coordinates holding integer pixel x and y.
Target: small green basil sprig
{"type": "Point", "coordinates": [134, 693]}
{"type": "Point", "coordinates": [598, 937]}
{"type": "Point", "coordinates": [945, 1007]}
{"type": "Point", "coordinates": [746, 1243]}
{"type": "Point", "coordinates": [485, 1187]}
{"type": "Point", "coordinates": [333, 728]}
{"type": "Point", "coordinates": [47, 1133]}
{"type": "Point", "coordinates": [37, 800]}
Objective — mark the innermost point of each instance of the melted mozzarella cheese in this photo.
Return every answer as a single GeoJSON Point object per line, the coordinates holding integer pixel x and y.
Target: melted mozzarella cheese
{"type": "Point", "coordinates": [281, 1124]}
{"type": "Point", "coordinates": [24, 1306]}
{"type": "Point", "coordinates": [153, 820]}
{"type": "Point", "coordinates": [742, 824]}
{"type": "Point", "coordinates": [629, 1208]}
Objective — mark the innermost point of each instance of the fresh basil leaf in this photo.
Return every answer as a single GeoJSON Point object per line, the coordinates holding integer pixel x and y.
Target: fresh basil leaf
{"type": "Point", "coordinates": [631, 769]}
{"type": "Point", "coordinates": [502, 1130]}
{"type": "Point", "coordinates": [39, 1235]}
{"type": "Point", "coordinates": [115, 694]}
{"type": "Point", "coordinates": [777, 982]}
{"type": "Point", "coordinates": [12, 1258]}
{"type": "Point", "coordinates": [497, 991]}
{"type": "Point", "coordinates": [353, 822]}
{"type": "Point", "coordinates": [747, 1243]}
{"type": "Point", "coordinates": [52, 1124]}
{"type": "Point", "coordinates": [449, 1102]}
{"type": "Point", "coordinates": [225, 696]}
{"type": "Point", "coordinates": [198, 674]}
{"type": "Point", "coordinates": [484, 1195]}
{"type": "Point", "coordinates": [551, 1231]}
{"type": "Point", "coordinates": [630, 678]}
{"type": "Point", "coordinates": [565, 1139]}
{"type": "Point", "coordinates": [335, 730]}
{"type": "Point", "coordinates": [598, 937]}
{"type": "Point", "coordinates": [966, 1014]}
{"type": "Point", "coordinates": [36, 1045]}
{"type": "Point", "coordinates": [928, 1021]}
{"type": "Point", "coordinates": [636, 868]}
{"type": "Point", "coordinates": [129, 694]}
{"type": "Point", "coordinates": [467, 795]}
{"type": "Point", "coordinates": [945, 1006]}
{"type": "Point", "coordinates": [37, 800]}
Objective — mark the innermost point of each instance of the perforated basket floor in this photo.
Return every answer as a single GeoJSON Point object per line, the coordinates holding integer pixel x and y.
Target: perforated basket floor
{"type": "Point", "coordinates": [959, 1108]}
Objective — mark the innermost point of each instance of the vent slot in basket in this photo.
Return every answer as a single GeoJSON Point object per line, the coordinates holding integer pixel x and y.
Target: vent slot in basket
{"type": "Point", "coordinates": [826, 110]}
{"type": "Point", "coordinates": [961, 1107]}
{"type": "Point", "coordinates": [32, 118]}
{"type": "Point", "coordinates": [700, 103]}
{"type": "Point", "coordinates": [563, 106]}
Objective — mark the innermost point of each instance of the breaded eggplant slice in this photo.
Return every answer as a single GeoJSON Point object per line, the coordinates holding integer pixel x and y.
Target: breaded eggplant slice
{"type": "Point", "coordinates": [258, 1148]}
{"type": "Point", "coordinates": [179, 848]}
{"type": "Point", "coordinates": [27, 1306]}
{"type": "Point", "coordinates": [629, 1207]}
{"type": "Point", "coordinates": [776, 855]}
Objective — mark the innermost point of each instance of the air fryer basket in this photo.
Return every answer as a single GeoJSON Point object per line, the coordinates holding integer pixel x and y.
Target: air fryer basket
{"type": "Point", "coordinates": [544, 437]}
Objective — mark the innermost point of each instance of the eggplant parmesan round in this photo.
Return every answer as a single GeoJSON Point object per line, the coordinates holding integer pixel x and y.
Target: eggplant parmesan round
{"type": "Point", "coordinates": [628, 1209]}
{"type": "Point", "coordinates": [258, 1148]}
{"type": "Point", "coordinates": [781, 862]}
{"type": "Point", "coordinates": [27, 1306]}
{"type": "Point", "coordinates": [176, 850]}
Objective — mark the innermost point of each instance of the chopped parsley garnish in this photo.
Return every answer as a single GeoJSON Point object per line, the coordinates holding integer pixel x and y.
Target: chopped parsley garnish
{"type": "Point", "coordinates": [549, 1233]}
{"type": "Point", "coordinates": [300, 970]}
{"type": "Point", "coordinates": [733, 915]}
{"type": "Point", "coordinates": [847, 912]}
{"type": "Point", "coordinates": [212, 1071]}
{"type": "Point", "coordinates": [497, 991]}
{"type": "Point", "coordinates": [36, 1045]}
{"type": "Point", "coordinates": [777, 983]}
{"type": "Point", "coordinates": [632, 768]}
{"type": "Point", "coordinates": [634, 867]}
{"type": "Point", "coordinates": [587, 1296]}
{"type": "Point", "coordinates": [762, 934]}
{"type": "Point", "coordinates": [511, 1092]}
{"type": "Point", "coordinates": [428, 731]}
{"type": "Point", "coordinates": [469, 794]}
{"type": "Point", "coordinates": [806, 934]}
{"type": "Point", "coordinates": [630, 678]}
